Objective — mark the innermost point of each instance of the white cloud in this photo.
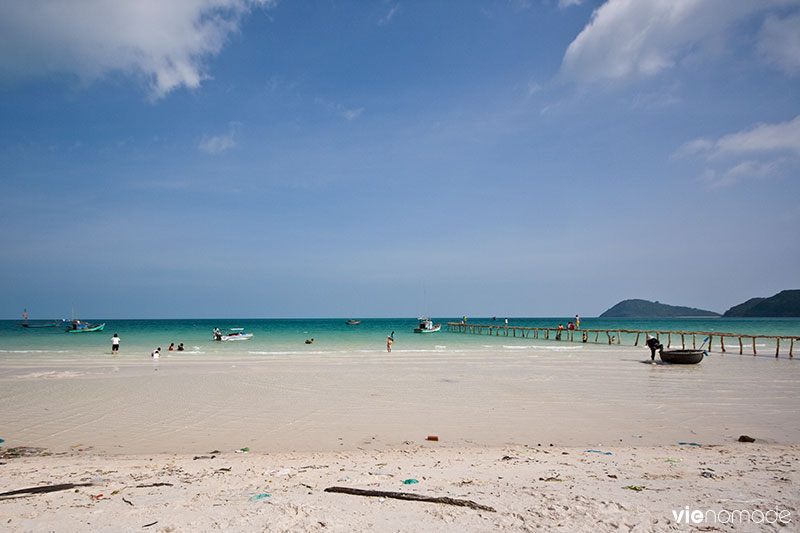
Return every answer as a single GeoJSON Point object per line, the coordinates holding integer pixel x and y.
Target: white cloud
{"type": "Point", "coordinates": [779, 43]}
{"type": "Point", "coordinates": [386, 19]}
{"type": "Point", "coordinates": [758, 152]}
{"type": "Point", "coordinates": [163, 42]}
{"type": "Point", "coordinates": [630, 39]}
{"type": "Point", "coordinates": [219, 143]}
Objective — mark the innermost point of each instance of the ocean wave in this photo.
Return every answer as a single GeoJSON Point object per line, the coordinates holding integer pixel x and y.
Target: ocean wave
{"type": "Point", "coordinates": [36, 351]}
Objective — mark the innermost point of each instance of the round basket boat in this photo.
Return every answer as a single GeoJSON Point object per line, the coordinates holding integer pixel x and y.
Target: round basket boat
{"type": "Point", "coordinates": [682, 357]}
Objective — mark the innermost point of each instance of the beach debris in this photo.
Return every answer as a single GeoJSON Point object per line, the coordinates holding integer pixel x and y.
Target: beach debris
{"type": "Point", "coordinates": [151, 524]}
{"type": "Point", "coordinates": [283, 472]}
{"type": "Point", "coordinates": [550, 479]}
{"type": "Point", "coordinates": [598, 451]}
{"type": "Point", "coordinates": [690, 444]}
{"type": "Point", "coordinates": [412, 497]}
{"type": "Point", "coordinates": [707, 474]}
{"type": "Point", "coordinates": [43, 489]}
{"type": "Point", "coordinates": [242, 450]}
{"type": "Point", "coordinates": [154, 485]}
{"type": "Point", "coordinates": [196, 457]}
{"type": "Point", "coordinates": [126, 501]}
{"type": "Point", "coordinates": [635, 436]}
{"type": "Point", "coordinates": [671, 460]}
{"type": "Point", "coordinates": [742, 438]}
{"type": "Point", "coordinates": [257, 497]}
{"type": "Point", "coordinates": [433, 438]}
{"type": "Point", "coordinates": [410, 481]}
{"type": "Point", "coordinates": [612, 476]}
{"type": "Point", "coordinates": [636, 488]}
{"type": "Point", "coordinates": [23, 451]}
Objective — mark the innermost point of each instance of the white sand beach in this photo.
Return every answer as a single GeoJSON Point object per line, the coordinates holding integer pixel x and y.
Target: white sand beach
{"type": "Point", "coordinates": [515, 427]}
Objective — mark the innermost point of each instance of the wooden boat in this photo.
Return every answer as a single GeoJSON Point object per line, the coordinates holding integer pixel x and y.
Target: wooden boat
{"type": "Point", "coordinates": [80, 327]}
{"type": "Point", "coordinates": [426, 325]}
{"type": "Point", "coordinates": [682, 357]}
{"type": "Point", "coordinates": [352, 322]}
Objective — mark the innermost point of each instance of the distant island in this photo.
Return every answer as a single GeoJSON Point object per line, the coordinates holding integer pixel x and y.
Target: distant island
{"type": "Point", "coordinates": [648, 309]}
{"type": "Point", "coordinates": [783, 304]}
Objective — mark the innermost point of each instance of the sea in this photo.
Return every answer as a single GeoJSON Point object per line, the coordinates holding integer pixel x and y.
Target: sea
{"type": "Point", "coordinates": [331, 336]}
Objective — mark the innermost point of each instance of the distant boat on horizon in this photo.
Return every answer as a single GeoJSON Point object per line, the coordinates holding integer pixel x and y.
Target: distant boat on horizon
{"type": "Point", "coordinates": [353, 322]}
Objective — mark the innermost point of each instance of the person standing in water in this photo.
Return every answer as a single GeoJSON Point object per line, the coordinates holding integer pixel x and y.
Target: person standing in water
{"type": "Point", "coordinates": [654, 345]}
{"type": "Point", "coordinates": [389, 341]}
{"type": "Point", "coordinates": [114, 344]}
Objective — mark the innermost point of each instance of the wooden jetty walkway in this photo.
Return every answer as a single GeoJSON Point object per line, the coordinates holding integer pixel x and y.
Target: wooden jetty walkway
{"type": "Point", "coordinates": [614, 336]}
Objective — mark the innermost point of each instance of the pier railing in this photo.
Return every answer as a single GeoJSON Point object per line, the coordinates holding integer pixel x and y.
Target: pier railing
{"type": "Point", "coordinates": [614, 336]}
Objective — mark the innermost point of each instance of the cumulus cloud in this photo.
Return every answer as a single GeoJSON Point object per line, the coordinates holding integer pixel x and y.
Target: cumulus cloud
{"type": "Point", "coordinates": [219, 143]}
{"type": "Point", "coordinates": [630, 39]}
{"type": "Point", "coordinates": [757, 152]}
{"type": "Point", "coordinates": [163, 42]}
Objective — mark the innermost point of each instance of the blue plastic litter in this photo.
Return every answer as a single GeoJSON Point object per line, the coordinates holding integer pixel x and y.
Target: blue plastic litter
{"type": "Point", "coordinates": [598, 451]}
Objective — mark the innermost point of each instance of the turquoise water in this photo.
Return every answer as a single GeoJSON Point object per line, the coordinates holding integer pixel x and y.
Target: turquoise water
{"type": "Point", "coordinates": [287, 336]}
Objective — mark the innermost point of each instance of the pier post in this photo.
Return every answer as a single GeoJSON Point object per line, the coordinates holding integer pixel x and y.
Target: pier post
{"type": "Point", "coordinates": [777, 346]}
{"type": "Point", "coordinates": [637, 340]}
{"type": "Point", "coordinates": [694, 341]}
{"type": "Point", "coordinates": [754, 346]}
{"type": "Point", "coordinates": [791, 347]}
{"type": "Point", "coordinates": [710, 340]}
{"type": "Point", "coordinates": [722, 343]}
{"type": "Point", "coordinates": [683, 342]}
{"type": "Point", "coordinates": [741, 347]}
{"type": "Point", "coordinates": [669, 340]}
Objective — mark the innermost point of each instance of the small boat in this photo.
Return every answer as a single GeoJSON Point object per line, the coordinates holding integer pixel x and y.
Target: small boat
{"type": "Point", "coordinates": [81, 327]}
{"type": "Point", "coordinates": [45, 325]}
{"type": "Point", "coordinates": [352, 322]}
{"type": "Point", "coordinates": [682, 357]}
{"type": "Point", "coordinates": [426, 325]}
{"type": "Point", "coordinates": [232, 334]}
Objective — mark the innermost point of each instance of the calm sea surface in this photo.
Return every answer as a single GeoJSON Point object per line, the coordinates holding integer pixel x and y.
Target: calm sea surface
{"type": "Point", "coordinates": [287, 336]}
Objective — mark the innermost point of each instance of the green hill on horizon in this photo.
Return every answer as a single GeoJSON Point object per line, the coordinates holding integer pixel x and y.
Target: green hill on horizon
{"type": "Point", "coordinates": [784, 304]}
{"type": "Point", "coordinates": [646, 309]}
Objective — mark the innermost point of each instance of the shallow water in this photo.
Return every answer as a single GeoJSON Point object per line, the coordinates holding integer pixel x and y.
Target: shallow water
{"type": "Point", "coordinates": [465, 389]}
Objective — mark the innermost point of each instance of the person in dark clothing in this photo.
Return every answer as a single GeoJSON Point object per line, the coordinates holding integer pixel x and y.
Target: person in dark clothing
{"type": "Point", "coordinates": [654, 345]}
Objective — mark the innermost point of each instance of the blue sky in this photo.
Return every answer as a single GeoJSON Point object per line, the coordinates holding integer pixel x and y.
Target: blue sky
{"type": "Point", "coordinates": [237, 158]}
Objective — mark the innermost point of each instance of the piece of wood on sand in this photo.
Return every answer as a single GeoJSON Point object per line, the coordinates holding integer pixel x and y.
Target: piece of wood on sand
{"type": "Point", "coordinates": [43, 489]}
{"type": "Point", "coordinates": [412, 497]}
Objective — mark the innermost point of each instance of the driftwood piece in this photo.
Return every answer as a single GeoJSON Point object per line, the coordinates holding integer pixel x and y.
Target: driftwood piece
{"type": "Point", "coordinates": [412, 497]}
{"type": "Point", "coordinates": [43, 489]}
{"type": "Point", "coordinates": [154, 485]}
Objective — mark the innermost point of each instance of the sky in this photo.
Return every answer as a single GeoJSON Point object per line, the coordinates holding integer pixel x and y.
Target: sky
{"type": "Point", "coordinates": [393, 158]}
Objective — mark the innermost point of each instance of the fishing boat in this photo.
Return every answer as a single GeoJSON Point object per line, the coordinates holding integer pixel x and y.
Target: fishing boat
{"type": "Point", "coordinates": [26, 324]}
{"type": "Point", "coordinates": [231, 334]}
{"type": "Point", "coordinates": [426, 325]}
{"type": "Point", "coordinates": [352, 322]}
{"type": "Point", "coordinates": [682, 357]}
{"type": "Point", "coordinates": [76, 326]}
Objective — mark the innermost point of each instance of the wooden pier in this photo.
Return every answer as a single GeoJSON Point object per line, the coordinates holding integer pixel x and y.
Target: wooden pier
{"type": "Point", "coordinates": [614, 336]}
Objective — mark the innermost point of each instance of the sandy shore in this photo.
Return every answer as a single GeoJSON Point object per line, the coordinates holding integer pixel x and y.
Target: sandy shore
{"type": "Point", "coordinates": [515, 427]}
{"type": "Point", "coordinates": [529, 489]}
